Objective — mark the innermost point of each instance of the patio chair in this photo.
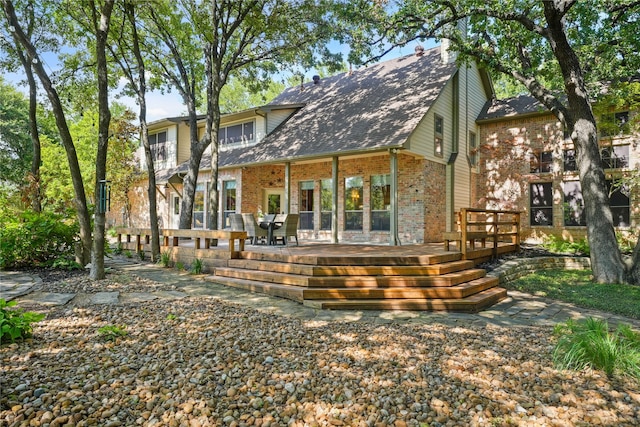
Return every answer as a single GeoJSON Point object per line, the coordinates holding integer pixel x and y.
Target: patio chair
{"type": "Point", "coordinates": [254, 232]}
{"type": "Point", "coordinates": [236, 222]}
{"type": "Point", "coordinates": [289, 229]}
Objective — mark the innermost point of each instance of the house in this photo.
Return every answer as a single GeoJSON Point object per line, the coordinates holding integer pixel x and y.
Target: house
{"type": "Point", "coordinates": [388, 153]}
{"type": "Point", "coordinates": [393, 146]}
{"type": "Point", "coordinates": [528, 164]}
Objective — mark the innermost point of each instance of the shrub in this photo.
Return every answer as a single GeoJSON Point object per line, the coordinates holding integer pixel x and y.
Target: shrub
{"type": "Point", "coordinates": [589, 344]}
{"type": "Point", "coordinates": [197, 266]}
{"type": "Point", "coordinates": [165, 258]}
{"type": "Point", "coordinates": [36, 238]}
{"type": "Point", "coordinates": [16, 323]}
{"type": "Point", "coordinates": [179, 266]}
{"type": "Point", "coordinates": [557, 244]}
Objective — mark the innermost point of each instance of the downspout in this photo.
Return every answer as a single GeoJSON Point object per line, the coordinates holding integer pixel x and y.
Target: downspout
{"type": "Point", "coordinates": [455, 134]}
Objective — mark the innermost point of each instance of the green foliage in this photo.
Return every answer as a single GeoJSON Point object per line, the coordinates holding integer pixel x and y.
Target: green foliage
{"type": "Point", "coordinates": [171, 316]}
{"type": "Point", "coordinates": [165, 258]}
{"type": "Point", "coordinates": [576, 287]}
{"type": "Point", "coordinates": [66, 264]}
{"type": "Point", "coordinates": [141, 254]}
{"type": "Point", "coordinates": [627, 240]}
{"type": "Point", "coordinates": [197, 266]}
{"type": "Point", "coordinates": [16, 323]}
{"type": "Point", "coordinates": [128, 254]}
{"type": "Point", "coordinates": [557, 244]}
{"type": "Point", "coordinates": [118, 250]}
{"type": "Point", "coordinates": [112, 332]}
{"type": "Point", "coordinates": [589, 344]}
{"type": "Point", "coordinates": [36, 238]}
{"type": "Point", "coordinates": [179, 265]}
{"type": "Point", "coordinates": [16, 150]}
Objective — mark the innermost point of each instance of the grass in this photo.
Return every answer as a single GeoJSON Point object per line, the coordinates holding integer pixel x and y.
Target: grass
{"type": "Point", "coordinates": [590, 344]}
{"type": "Point", "coordinates": [576, 287]}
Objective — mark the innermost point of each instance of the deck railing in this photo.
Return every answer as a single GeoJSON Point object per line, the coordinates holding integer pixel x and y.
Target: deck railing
{"type": "Point", "coordinates": [479, 225]}
{"type": "Point", "coordinates": [202, 238]}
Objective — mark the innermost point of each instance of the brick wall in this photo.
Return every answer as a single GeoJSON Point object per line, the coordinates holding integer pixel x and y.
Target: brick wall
{"type": "Point", "coordinates": [505, 177]}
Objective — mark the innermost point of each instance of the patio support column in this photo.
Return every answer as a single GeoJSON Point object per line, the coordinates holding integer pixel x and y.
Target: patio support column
{"type": "Point", "coordinates": [334, 200]}
{"type": "Point", "coordinates": [287, 187]}
{"type": "Point", "coordinates": [393, 225]}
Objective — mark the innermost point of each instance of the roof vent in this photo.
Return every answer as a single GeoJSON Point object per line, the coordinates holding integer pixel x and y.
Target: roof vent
{"type": "Point", "coordinates": [316, 79]}
{"type": "Point", "coordinates": [419, 50]}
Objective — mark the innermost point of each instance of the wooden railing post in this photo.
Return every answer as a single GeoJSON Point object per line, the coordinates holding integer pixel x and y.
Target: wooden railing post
{"type": "Point", "coordinates": [463, 232]}
{"type": "Point", "coordinates": [495, 234]}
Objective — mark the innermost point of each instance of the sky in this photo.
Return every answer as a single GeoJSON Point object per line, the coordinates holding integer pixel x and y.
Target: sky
{"type": "Point", "coordinates": [170, 104]}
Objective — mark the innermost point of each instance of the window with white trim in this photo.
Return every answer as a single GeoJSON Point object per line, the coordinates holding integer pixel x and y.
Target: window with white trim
{"type": "Point", "coordinates": [233, 134]}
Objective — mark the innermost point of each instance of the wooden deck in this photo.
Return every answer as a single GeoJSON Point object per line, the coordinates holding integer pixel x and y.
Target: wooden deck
{"type": "Point", "coordinates": [366, 277]}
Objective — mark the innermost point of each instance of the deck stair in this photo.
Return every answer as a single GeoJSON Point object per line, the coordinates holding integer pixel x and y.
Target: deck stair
{"type": "Point", "coordinates": [441, 282]}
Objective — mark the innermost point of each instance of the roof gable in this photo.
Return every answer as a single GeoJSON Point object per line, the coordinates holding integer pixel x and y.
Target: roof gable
{"type": "Point", "coordinates": [372, 108]}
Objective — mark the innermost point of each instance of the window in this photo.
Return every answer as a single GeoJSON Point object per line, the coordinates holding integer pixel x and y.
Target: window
{"type": "Point", "coordinates": [473, 150]}
{"type": "Point", "coordinates": [306, 205]}
{"type": "Point", "coordinates": [326, 203]}
{"type": "Point", "coordinates": [158, 144]}
{"type": "Point", "coordinates": [228, 202]}
{"type": "Point", "coordinates": [541, 204]}
{"type": "Point", "coordinates": [438, 137]}
{"type": "Point", "coordinates": [198, 207]}
{"type": "Point", "coordinates": [242, 132]}
{"type": "Point", "coordinates": [615, 157]}
{"type": "Point", "coordinates": [570, 160]}
{"type": "Point", "coordinates": [540, 161]}
{"type": "Point", "coordinates": [573, 204]}
{"type": "Point", "coordinates": [619, 201]}
{"type": "Point", "coordinates": [614, 124]}
{"type": "Point", "coordinates": [353, 195]}
{"type": "Point", "coordinates": [380, 202]}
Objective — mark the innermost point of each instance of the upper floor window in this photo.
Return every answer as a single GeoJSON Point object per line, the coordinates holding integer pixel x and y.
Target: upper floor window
{"type": "Point", "coordinates": [473, 150]}
{"type": "Point", "coordinates": [243, 132]}
{"type": "Point", "coordinates": [540, 161]}
{"type": "Point", "coordinates": [615, 157]}
{"type": "Point", "coordinates": [614, 124]}
{"type": "Point", "coordinates": [157, 142]}
{"type": "Point", "coordinates": [438, 135]}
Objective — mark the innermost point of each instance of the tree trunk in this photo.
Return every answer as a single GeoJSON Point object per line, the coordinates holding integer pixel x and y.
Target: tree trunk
{"type": "Point", "coordinates": [633, 274]}
{"type": "Point", "coordinates": [606, 260]}
{"type": "Point", "coordinates": [35, 193]}
{"type": "Point", "coordinates": [189, 184]}
{"type": "Point", "coordinates": [104, 120]}
{"type": "Point", "coordinates": [144, 134]}
{"type": "Point", "coordinates": [83, 254]}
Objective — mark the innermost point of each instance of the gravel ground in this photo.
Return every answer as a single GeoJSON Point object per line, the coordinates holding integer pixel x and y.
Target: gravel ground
{"type": "Point", "coordinates": [204, 362]}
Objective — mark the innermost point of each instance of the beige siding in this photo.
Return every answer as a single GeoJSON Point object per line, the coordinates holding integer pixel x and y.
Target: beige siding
{"type": "Point", "coordinates": [184, 145]}
{"type": "Point", "coordinates": [421, 141]}
{"type": "Point", "coordinates": [276, 117]}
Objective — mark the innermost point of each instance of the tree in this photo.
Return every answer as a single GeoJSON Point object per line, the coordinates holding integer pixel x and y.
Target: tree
{"type": "Point", "coordinates": [560, 51]}
{"type": "Point", "coordinates": [33, 57]}
{"type": "Point", "coordinates": [127, 53]}
{"type": "Point", "coordinates": [16, 152]}
{"type": "Point", "coordinates": [241, 38]}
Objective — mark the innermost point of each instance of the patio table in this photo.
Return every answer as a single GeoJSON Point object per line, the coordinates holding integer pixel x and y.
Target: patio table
{"type": "Point", "coordinates": [270, 225]}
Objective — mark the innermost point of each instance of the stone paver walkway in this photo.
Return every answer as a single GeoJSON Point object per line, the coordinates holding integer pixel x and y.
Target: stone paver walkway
{"type": "Point", "coordinates": [518, 309]}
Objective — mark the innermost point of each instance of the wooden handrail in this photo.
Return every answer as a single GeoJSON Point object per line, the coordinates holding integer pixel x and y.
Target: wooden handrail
{"type": "Point", "coordinates": [199, 236]}
{"type": "Point", "coordinates": [481, 224]}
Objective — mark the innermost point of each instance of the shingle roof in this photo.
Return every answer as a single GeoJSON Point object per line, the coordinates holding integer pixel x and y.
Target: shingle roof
{"type": "Point", "coordinates": [495, 109]}
{"type": "Point", "coordinates": [372, 108]}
